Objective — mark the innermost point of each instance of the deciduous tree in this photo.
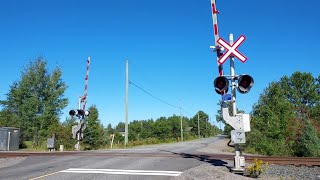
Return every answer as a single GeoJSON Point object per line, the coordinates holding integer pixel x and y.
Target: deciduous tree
{"type": "Point", "coordinates": [35, 101]}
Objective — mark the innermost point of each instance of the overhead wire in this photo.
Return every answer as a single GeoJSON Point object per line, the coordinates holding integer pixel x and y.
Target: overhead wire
{"type": "Point", "coordinates": [169, 104]}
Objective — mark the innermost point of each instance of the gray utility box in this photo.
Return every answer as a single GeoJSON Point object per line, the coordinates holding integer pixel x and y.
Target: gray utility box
{"type": "Point", "coordinates": [9, 138]}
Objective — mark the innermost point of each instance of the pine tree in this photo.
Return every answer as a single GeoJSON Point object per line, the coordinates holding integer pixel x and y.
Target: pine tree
{"type": "Point", "coordinates": [308, 144]}
{"type": "Point", "coordinates": [94, 135]}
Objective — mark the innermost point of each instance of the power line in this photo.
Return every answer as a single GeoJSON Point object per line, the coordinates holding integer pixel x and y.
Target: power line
{"type": "Point", "coordinates": [153, 95]}
{"type": "Point", "coordinates": [186, 112]}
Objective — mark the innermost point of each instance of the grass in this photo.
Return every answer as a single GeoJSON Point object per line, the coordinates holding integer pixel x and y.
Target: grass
{"type": "Point", "coordinates": [30, 147]}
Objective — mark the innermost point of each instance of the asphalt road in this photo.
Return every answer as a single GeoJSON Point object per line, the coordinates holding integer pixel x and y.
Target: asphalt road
{"type": "Point", "coordinates": [98, 165]}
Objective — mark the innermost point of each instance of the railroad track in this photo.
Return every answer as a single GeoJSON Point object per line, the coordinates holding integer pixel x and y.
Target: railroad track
{"type": "Point", "coordinates": [296, 161]}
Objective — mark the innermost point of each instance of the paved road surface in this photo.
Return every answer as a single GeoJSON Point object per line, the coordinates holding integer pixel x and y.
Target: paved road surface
{"type": "Point", "coordinates": [98, 166]}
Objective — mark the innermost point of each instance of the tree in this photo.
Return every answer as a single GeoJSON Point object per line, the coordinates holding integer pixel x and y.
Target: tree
{"type": "Point", "coordinates": [302, 92]}
{"type": "Point", "coordinates": [109, 129]}
{"type": "Point", "coordinates": [9, 119]}
{"type": "Point", "coordinates": [203, 124]}
{"type": "Point", "coordinates": [269, 123]}
{"type": "Point", "coordinates": [147, 128]}
{"type": "Point", "coordinates": [175, 126]}
{"type": "Point", "coordinates": [119, 138]}
{"type": "Point", "coordinates": [162, 128]}
{"type": "Point", "coordinates": [63, 134]}
{"type": "Point", "coordinates": [134, 130]}
{"type": "Point", "coordinates": [308, 144]}
{"type": "Point", "coordinates": [282, 120]}
{"type": "Point", "coordinates": [35, 102]}
{"type": "Point", "coordinates": [94, 135]}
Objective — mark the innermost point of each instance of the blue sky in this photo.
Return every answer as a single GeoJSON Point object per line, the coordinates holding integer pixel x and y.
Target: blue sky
{"type": "Point", "coordinates": [167, 45]}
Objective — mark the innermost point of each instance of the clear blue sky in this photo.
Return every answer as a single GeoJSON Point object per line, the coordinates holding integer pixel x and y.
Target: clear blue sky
{"type": "Point", "coordinates": [167, 45]}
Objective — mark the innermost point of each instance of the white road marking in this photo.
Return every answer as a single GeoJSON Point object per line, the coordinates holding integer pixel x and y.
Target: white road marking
{"type": "Point", "coordinates": [123, 171]}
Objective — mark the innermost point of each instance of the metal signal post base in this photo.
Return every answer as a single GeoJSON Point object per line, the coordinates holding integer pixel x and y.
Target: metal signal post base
{"type": "Point", "coordinates": [77, 146]}
{"type": "Point", "coordinates": [239, 161]}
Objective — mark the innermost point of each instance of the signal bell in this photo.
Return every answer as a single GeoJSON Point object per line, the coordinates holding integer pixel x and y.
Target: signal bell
{"type": "Point", "coordinates": [221, 85]}
{"type": "Point", "coordinates": [245, 82]}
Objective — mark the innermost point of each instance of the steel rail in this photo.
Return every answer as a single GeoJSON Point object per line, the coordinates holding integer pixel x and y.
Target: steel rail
{"type": "Point", "coordinates": [296, 161]}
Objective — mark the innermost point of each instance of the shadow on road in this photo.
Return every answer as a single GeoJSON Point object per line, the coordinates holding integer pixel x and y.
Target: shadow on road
{"type": "Point", "coordinates": [203, 158]}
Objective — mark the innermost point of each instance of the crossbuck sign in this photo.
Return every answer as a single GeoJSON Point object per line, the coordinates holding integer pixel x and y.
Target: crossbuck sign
{"type": "Point", "coordinates": [231, 50]}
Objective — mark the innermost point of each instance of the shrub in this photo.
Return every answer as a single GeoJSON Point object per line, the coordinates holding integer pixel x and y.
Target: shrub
{"type": "Point", "coordinates": [256, 169]}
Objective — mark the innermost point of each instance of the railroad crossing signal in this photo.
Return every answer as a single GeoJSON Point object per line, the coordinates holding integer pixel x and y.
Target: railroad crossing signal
{"type": "Point", "coordinates": [237, 121]}
{"type": "Point", "coordinates": [79, 113]}
{"type": "Point", "coordinates": [81, 126]}
{"type": "Point", "coordinates": [231, 50]}
{"type": "Point", "coordinates": [221, 85]}
{"type": "Point", "coordinates": [245, 82]}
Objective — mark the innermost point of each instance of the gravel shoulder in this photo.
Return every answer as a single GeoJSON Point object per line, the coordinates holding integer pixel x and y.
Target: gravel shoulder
{"type": "Point", "coordinates": [209, 171]}
{"type": "Point", "coordinates": [218, 147]}
{"type": "Point", "coordinates": [10, 161]}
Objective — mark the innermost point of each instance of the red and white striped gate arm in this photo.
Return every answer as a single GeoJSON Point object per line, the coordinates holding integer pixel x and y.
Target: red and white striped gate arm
{"type": "Point", "coordinates": [84, 97]}
{"type": "Point", "coordinates": [216, 34]}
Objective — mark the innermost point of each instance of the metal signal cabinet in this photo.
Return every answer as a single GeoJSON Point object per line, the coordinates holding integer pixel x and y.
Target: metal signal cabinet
{"type": "Point", "coordinates": [9, 138]}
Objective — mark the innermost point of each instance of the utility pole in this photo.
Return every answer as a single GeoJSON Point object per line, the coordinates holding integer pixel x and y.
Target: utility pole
{"type": "Point", "coordinates": [198, 126]}
{"type": "Point", "coordinates": [181, 129]}
{"type": "Point", "coordinates": [211, 127]}
{"type": "Point", "coordinates": [126, 123]}
{"type": "Point", "coordinates": [207, 120]}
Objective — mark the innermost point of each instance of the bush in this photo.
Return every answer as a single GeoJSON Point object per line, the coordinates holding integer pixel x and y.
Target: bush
{"type": "Point", "coordinates": [256, 169]}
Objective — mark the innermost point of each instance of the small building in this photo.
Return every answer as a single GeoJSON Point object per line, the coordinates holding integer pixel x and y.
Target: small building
{"type": "Point", "coordinates": [9, 138]}
{"type": "Point", "coordinates": [122, 131]}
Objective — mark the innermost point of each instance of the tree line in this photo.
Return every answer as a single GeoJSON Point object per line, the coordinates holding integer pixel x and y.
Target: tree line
{"type": "Point", "coordinates": [286, 119]}
{"type": "Point", "coordinates": [35, 102]}
{"type": "Point", "coordinates": [284, 122]}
